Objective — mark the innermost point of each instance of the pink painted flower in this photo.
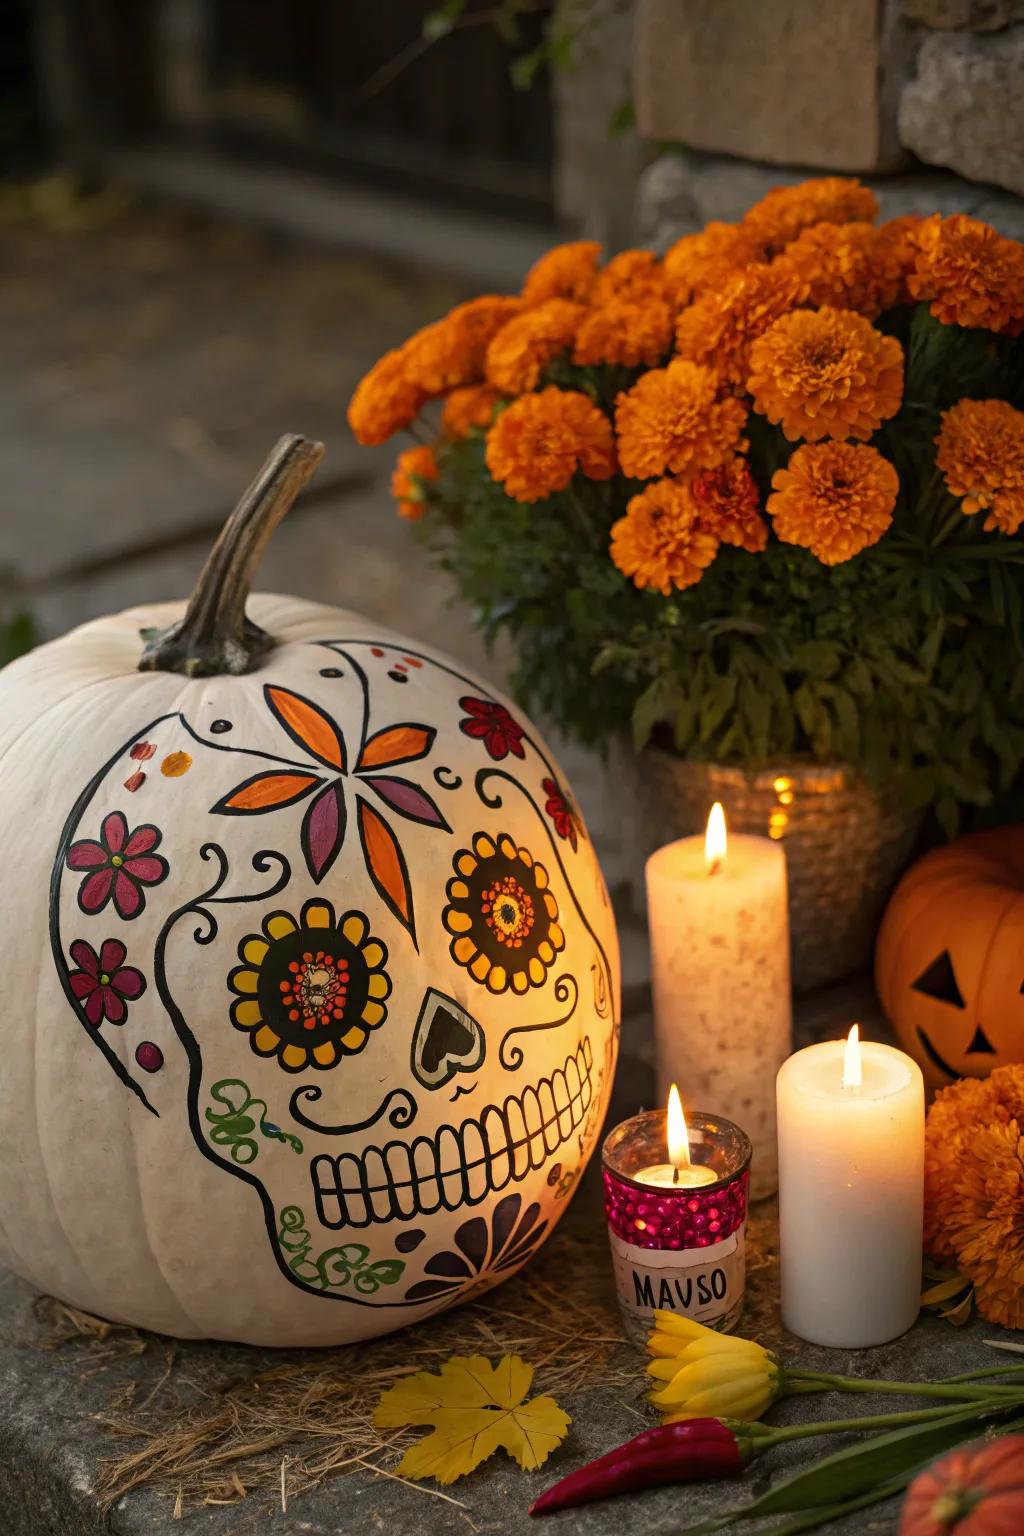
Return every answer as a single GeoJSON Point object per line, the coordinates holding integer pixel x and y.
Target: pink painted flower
{"type": "Point", "coordinates": [117, 866]}
{"type": "Point", "coordinates": [103, 984]}
{"type": "Point", "coordinates": [562, 812]}
{"type": "Point", "coordinates": [492, 724]}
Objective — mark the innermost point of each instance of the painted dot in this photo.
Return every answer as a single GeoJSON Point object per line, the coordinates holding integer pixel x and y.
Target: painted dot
{"type": "Point", "coordinates": [331, 672]}
{"type": "Point", "coordinates": [220, 726]}
{"type": "Point", "coordinates": [405, 1242]}
{"type": "Point", "coordinates": [175, 764]}
{"type": "Point", "coordinates": [399, 677]}
{"type": "Point", "coordinates": [413, 661]}
{"type": "Point", "coordinates": [149, 1056]}
{"type": "Point", "coordinates": [375, 650]}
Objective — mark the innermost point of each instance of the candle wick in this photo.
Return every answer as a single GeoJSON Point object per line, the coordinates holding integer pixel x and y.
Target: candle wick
{"type": "Point", "coordinates": [675, 1173]}
{"type": "Point", "coordinates": [714, 867]}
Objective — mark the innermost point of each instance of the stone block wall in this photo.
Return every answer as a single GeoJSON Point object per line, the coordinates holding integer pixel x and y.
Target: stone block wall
{"type": "Point", "coordinates": [923, 98]}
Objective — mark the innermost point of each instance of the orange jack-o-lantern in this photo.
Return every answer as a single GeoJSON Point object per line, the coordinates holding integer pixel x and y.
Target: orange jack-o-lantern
{"type": "Point", "coordinates": [950, 958]}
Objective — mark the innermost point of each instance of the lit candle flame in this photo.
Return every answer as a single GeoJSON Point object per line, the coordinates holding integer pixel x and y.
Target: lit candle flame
{"type": "Point", "coordinates": [852, 1076]}
{"type": "Point", "coordinates": [715, 840]}
{"type": "Point", "coordinates": [678, 1136]}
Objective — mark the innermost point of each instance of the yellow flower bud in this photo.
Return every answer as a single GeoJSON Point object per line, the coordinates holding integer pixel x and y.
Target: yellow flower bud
{"type": "Point", "coordinates": [709, 1374]}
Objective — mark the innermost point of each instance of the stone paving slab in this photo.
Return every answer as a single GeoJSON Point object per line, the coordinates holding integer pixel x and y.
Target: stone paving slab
{"type": "Point", "coordinates": [51, 1444]}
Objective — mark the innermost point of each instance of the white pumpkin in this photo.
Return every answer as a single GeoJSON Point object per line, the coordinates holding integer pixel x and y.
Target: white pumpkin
{"type": "Point", "coordinates": [311, 979]}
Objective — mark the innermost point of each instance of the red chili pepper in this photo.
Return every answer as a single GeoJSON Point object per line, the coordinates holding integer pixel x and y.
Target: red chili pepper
{"type": "Point", "coordinates": [673, 1453]}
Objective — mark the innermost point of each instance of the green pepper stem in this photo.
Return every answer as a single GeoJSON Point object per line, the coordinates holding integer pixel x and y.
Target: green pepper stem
{"type": "Point", "coordinates": [771, 1437]}
{"type": "Point", "coordinates": [815, 1381]}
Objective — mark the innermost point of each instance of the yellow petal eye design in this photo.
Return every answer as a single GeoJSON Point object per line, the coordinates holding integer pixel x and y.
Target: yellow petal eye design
{"type": "Point", "coordinates": [501, 915]}
{"type": "Point", "coordinates": [310, 989]}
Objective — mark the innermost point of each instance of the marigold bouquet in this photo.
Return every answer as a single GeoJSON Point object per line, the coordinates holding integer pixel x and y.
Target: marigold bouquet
{"type": "Point", "coordinates": [761, 497]}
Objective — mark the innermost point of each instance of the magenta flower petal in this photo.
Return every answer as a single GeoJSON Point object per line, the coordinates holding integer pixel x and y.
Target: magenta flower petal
{"type": "Point", "coordinates": [129, 982]}
{"type": "Point", "coordinates": [86, 854]}
{"type": "Point", "coordinates": [142, 840]}
{"type": "Point", "coordinates": [94, 892]}
{"type": "Point", "coordinates": [94, 1005]}
{"type": "Point", "coordinates": [112, 953]}
{"type": "Point", "coordinates": [113, 1006]}
{"type": "Point", "coordinates": [114, 831]}
{"type": "Point", "coordinates": [84, 957]}
{"type": "Point", "coordinates": [149, 869]}
{"type": "Point", "coordinates": [128, 899]}
{"type": "Point", "coordinates": [81, 984]}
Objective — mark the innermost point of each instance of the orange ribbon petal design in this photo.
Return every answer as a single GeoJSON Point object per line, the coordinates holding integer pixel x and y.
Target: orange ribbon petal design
{"type": "Point", "coordinates": [266, 792]}
{"type": "Point", "coordinates": [386, 864]}
{"type": "Point", "coordinates": [307, 724]}
{"type": "Point", "coordinates": [397, 744]}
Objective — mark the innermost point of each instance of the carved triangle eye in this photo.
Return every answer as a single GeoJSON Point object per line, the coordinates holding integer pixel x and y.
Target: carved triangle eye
{"type": "Point", "coordinates": [938, 980]}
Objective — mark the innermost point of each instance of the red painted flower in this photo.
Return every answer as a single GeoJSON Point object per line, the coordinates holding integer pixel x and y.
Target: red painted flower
{"type": "Point", "coordinates": [103, 983]}
{"type": "Point", "coordinates": [562, 812]}
{"type": "Point", "coordinates": [492, 724]}
{"type": "Point", "coordinates": [118, 866]}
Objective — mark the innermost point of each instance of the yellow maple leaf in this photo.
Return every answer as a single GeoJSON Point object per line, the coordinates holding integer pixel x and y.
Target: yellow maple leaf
{"type": "Point", "coordinates": [474, 1408]}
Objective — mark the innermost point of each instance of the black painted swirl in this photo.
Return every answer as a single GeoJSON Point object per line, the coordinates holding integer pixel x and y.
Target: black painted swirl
{"type": "Point", "coordinates": [566, 987]}
{"type": "Point", "coordinates": [402, 1114]}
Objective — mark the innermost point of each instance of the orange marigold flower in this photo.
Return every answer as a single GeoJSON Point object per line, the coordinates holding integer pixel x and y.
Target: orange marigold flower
{"type": "Point", "coordinates": [468, 407]}
{"type": "Point", "coordinates": [784, 211]}
{"type": "Point", "coordinates": [537, 444]}
{"type": "Point", "coordinates": [970, 275]}
{"type": "Point", "coordinates": [981, 456]}
{"type": "Point", "coordinates": [729, 505]}
{"type": "Point", "coordinates": [451, 351]}
{"type": "Point", "coordinates": [625, 331]}
{"type": "Point", "coordinates": [565, 272]}
{"type": "Point", "coordinates": [415, 467]}
{"type": "Point", "coordinates": [718, 328]}
{"type": "Point", "coordinates": [706, 259]}
{"type": "Point", "coordinates": [974, 1188]}
{"type": "Point", "coordinates": [673, 420]}
{"type": "Point", "coordinates": [826, 373]}
{"type": "Point", "coordinates": [900, 236]}
{"type": "Point", "coordinates": [661, 542]}
{"type": "Point", "coordinates": [385, 400]}
{"type": "Point", "coordinates": [853, 266]}
{"type": "Point", "coordinates": [522, 349]}
{"type": "Point", "coordinates": [834, 499]}
{"type": "Point", "coordinates": [632, 275]}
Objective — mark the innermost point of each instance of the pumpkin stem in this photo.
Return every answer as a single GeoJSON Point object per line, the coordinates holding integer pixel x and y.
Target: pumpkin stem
{"type": "Point", "coordinates": [215, 636]}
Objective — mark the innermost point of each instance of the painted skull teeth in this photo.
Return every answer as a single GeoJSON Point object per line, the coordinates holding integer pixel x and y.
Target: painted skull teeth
{"type": "Point", "coordinates": [460, 1165]}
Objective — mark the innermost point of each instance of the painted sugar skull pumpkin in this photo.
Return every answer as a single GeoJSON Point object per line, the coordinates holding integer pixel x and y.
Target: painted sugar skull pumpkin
{"type": "Point", "coordinates": [312, 979]}
{"type": "Point", "coordinates": [949, 964]}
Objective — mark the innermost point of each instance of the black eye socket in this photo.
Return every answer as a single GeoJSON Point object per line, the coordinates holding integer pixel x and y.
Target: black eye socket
{"type": "Point", "coordinates": [938, 980]}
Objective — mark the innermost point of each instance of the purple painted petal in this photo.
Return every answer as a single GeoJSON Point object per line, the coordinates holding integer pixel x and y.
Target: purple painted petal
{"type": "Point", "coordinates": [84, 957]}
{"type": "Point", "coordinates": [323, 830]}
{"type": "Point", "coordinates": [87, 854]}
{"type": "Point", "coordinates": [94, 891]}
{"type": "Point", "coordinates": [128, 899]}
{"type": "Point", "coordinates": [408, 800]}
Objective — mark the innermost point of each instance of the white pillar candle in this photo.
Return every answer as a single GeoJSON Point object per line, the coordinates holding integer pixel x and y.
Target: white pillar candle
{"type": "Point", "coordinates": [720, 971]}
{"type": "Point", "coordinates": [851, 1192]}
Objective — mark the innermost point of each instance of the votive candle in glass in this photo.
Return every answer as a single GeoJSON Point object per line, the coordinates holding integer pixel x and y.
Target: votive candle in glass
{"type": "Point", "coordinates": [677, 1242]}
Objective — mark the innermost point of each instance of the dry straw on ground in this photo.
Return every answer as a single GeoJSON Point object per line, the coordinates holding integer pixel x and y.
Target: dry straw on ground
{"type": "Point", "coordinates": [290, 1427]}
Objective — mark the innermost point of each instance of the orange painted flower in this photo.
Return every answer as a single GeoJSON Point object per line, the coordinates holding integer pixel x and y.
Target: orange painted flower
{"type": "Point", "coordinates": [660, 542]}
{"type": "Point", "coordinates": [385, 400]}
{"type": "Point", "coordinates": [522, 349]}
{"type": "Point", "coordinates": [673, 420]}
{"type": "Point", "coordinates": [784, 211]}
{"type": "Point", "coordinates": [974, 1188]}
{"type": "Point", "coordinates": [834, 499]}
{"type": "Point", "coordinates": [537, 444]}
{"type": "Point", "coordinates": [451, 352]}
{"type": "Point", "coordinates": [981, 456]}
{"type": "Point", "coordinates": [565, 272]}
{"type": "Point", "coordinates": [729, 506]}
{"type": "Point", "coordinates": [969, 274]}
{"type": "Point", "coordinates": [630, 275]}
{"type": "Point", "coordinates": [466, 408]}
{"type": "Point", "coordinates": [852, 266]}
{"type": "Point", "coordinates": [718, 328]}
{"type": "Point", "coordinates": [415, 468]}
{"type": "Point", "coordinates": [625, 331]}
{"type": "Point", "coordinates": [826, 373]}
{"type": "Point", "coordinates": [706, 259]}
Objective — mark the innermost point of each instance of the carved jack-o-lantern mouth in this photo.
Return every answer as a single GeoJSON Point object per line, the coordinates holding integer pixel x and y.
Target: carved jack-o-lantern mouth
{"type": "Point", "coordinates": [459, 1165]}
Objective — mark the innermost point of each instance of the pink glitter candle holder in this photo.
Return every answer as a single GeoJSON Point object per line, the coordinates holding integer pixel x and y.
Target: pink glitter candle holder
{"type": "Point", "coordinates": [677, 1248]}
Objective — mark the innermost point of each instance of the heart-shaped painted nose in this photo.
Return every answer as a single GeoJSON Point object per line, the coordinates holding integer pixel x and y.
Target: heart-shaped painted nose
{"type": "Point", "coordinates": [447, 1040]}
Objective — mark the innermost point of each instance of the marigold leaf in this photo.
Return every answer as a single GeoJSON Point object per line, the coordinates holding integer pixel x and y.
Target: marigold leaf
{"type": "Point", "coordinates": [474, 1408]}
